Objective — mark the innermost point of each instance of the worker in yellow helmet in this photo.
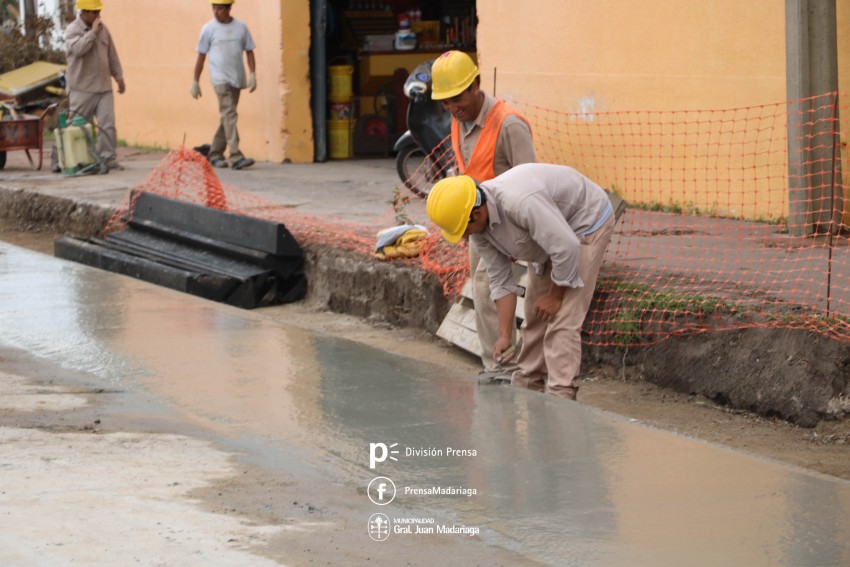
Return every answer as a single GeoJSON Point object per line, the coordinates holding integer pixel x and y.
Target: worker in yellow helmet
{"type": "Point", "coordinates": [560, 222]}
{"type": "Point", "coordinates": [92, 65]}
{"type": "Point", "coordinates": [488, 137]}
{"type": "Point", "coordinates": [224, 38]}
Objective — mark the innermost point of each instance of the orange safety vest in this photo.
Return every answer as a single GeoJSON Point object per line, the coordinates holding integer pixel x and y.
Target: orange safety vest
{"type": "Point", "coordinates": [482, 162]}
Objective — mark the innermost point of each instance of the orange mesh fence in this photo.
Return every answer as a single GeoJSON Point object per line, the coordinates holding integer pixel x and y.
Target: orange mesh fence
{"type": "Point", "coordinates": [439, 163]}
{"type": "Point", "coordinates": [736, 216]}
{"type": "Point", "coordinates": [735, 219]}
{"type": "Point", "coordinates": [186, 175]}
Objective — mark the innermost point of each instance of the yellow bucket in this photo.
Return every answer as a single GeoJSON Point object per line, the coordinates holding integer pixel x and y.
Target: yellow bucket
{"type": "Point", "coordinates": [340, 82]}
{"type": "Point", "coordinates": [339, 138]}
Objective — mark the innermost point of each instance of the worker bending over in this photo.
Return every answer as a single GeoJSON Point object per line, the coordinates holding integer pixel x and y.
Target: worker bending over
{"type": "Point", "coordinates": [560, 222]}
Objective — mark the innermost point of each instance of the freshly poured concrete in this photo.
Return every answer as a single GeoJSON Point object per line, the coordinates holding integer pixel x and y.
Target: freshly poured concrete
{"type": "Point", "coordinates": [554, 482]}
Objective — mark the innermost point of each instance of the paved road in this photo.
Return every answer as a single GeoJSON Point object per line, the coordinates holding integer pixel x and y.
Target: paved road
{"type": "Point", "coordinates": [200, 394]}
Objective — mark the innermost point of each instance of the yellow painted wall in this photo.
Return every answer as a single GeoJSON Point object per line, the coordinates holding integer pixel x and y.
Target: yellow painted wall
{"type": "Point", "coordinates": [582, 58]}
{"type": "Point", "coordinates": [627, 55]}
{"type": "Point", "coordinates": [156, 42]}
{"type": "Point", "coordinates": [571, 55]}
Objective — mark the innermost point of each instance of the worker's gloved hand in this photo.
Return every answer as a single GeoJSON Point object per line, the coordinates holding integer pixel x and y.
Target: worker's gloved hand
{"type": "Point", "coordinates": [196, 90]}
{"type": "Point", "coordinates": [252, 82]}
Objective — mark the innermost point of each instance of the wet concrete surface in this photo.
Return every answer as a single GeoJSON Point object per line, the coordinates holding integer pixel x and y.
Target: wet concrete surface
{"type": "Point", "coordinates": [520, 477]}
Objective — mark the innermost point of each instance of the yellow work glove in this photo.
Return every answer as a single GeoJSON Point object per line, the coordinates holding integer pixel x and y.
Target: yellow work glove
{"type": "Point", "coordinates": [411, 235]}
{"type": "Point", "coordinates": [406, 246]}
{"type": "Point", "coordinates": [196, 90]}
{"type": "Point", "coordinates": [252, 82]}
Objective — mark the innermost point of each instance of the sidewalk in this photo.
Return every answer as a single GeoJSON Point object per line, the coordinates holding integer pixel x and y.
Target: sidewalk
{"type": "Point", "coordinates": [357, 191]}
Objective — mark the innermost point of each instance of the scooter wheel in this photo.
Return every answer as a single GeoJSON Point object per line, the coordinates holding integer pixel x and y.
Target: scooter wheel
{"type": "Point", "coordinates": [414, 169]}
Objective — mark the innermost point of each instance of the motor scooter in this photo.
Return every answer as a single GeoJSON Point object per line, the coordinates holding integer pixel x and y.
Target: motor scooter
{"type": "Point", "coordinates": [424, 151]}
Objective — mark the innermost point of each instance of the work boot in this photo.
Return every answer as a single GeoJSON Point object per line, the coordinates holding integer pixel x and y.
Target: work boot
{"type": "Point", "coordinates": [567, 392]}
{"type": "Point", "coordinates": [242, 163]}
{"type": "Point", "coordinates": [54, 160]}
{"type": "Point", "coordinates": [219, 162]}
{"type": "Point", "coordinates": [536, 383]}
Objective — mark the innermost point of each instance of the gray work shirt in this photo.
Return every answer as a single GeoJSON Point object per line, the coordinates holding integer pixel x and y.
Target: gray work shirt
{"type": "Point", "coordinates": [537, 212]}
{"type": "Point", "coordinates": [92, 59]}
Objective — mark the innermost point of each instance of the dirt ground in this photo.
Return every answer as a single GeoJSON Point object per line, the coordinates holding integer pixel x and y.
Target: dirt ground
{"type": "Point", "coordinates": [824, 448]}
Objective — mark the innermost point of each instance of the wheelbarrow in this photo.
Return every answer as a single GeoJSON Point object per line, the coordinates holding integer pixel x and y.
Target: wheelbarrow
{"type": "Point", "coordinates": [22, 132]}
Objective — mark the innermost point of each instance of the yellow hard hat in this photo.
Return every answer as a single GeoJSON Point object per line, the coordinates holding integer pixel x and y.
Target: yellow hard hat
{"type": "Point", "coordinates": [92, 5]}
{"type": "Point", "coordinates": [228, 2]}
{"type": "Point", "coordinates": [449, 204]}
{"type": "Point", "coordinates": [451, 74]}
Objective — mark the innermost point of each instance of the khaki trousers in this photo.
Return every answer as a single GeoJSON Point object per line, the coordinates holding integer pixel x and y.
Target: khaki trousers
{"type": "Point", "coordinates": [226, 135]}
{"type": "Point", "coordinates": [486, 313]}
{"type": "Point", "coordinates": [551, 352]}
{"type": "Point", "coordinates": [98, 108]}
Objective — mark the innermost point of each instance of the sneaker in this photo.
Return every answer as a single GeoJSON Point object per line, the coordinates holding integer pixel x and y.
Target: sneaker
{"type": "Point", "coordinates": [112, 164]}
{"type": "Point", "coordinates": [219, 162]}
{"type": "Point", "coordinates": [242, 163]}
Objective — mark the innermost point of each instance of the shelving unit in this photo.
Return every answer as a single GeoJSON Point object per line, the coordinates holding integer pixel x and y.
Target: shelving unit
{"type": "Point", "coordinates": [365, 40]}
{"type": "Point", "coordinates": [359, 24]}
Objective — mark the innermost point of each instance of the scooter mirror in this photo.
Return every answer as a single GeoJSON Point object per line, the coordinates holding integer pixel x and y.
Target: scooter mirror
{"type": "Point", "coordinates": [414, 87]}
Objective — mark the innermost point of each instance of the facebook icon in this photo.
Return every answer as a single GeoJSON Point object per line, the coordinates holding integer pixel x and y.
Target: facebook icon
{"type": "Point", "coordinates": [381, 491]}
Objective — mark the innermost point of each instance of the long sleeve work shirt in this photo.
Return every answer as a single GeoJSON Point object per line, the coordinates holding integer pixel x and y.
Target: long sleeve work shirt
{"type": "Point", "coordinates": [538, 212]}
{"type": "Point", "coordinates": [92, 59]}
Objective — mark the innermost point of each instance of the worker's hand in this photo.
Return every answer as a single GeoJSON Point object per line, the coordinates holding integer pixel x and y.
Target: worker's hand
{"type": "Point", "coordinates": [96, 25]}
{"type": "Point", "coordinates": [503, 351]}
{"type": "Point", "coordinates": [196, 90]}
{"type": "Point", "coordinates": [547, 306]}
{"type": "Point", "coordinates": [252, 82]}
{"type": "Point", "coordinates": [122, 86]}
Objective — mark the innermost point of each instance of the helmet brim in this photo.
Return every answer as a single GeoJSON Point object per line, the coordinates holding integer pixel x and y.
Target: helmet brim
{"type": "Point", "coordinates": [452, 237]}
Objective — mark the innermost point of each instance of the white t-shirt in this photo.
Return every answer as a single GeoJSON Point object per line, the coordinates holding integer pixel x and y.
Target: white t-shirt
{"type": "Point", "coordinates": [223, 44]}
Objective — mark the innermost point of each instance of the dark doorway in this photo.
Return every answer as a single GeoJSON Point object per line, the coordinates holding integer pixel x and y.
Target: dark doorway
{"type": "Point", "coordinates": [359, 62]}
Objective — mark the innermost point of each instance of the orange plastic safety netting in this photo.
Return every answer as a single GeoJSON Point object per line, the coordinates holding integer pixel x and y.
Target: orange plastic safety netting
{"type": "Point", "coordinates": [186, 175]}
{"type": "Point", "coordinates": [736, 216]}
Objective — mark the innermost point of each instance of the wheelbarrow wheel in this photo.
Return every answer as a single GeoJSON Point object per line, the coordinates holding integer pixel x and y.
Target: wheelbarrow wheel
{"type": "Point", "coordinates": [2, 160]}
